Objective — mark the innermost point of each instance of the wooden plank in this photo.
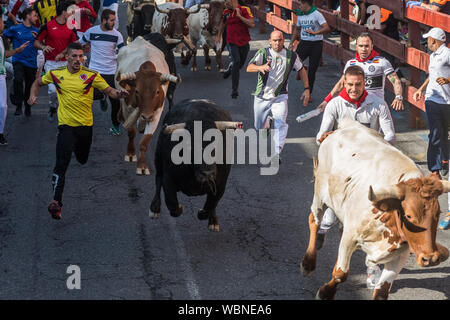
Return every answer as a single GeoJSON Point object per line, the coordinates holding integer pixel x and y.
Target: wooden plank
{"type": "Point", "coordinates": [428, 17]}
{"type": "Point", "coordinates": [417, 59]}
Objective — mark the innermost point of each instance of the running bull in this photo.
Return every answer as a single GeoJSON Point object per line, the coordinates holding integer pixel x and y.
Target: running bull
{"type": "Point", "coordinates": [205, 177]}
{"type": "Point", "coordinates": [385, 203]}
{"type": "Point", "coordinates": [142, 71]}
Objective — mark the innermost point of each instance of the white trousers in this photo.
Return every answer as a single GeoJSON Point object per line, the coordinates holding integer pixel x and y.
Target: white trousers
{"type": "Point", "coordinates": [114, 7]}
{"type": "Point", "coordinates": [52, 95]}
{"type": "Point", "coordinates": [279, 108]}
{"type": "Point", "coordinates": [3, 102]}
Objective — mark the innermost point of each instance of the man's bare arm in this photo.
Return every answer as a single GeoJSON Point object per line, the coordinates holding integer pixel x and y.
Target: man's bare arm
{"type": "Point", "coordinates": [397, 104]}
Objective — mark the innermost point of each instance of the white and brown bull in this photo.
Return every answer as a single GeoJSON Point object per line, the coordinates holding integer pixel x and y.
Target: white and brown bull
{"type": "Point", "coordinates": [206, 29]}
{"type": "Point", "coordinates": [142, 71]}
{"type": "Point", "coordinates": [383, 200]}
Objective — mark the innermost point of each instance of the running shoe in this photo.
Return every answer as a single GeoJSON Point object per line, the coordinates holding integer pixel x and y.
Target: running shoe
{"type": "Point", "coordinates": [18, 111]}
{"type": "Point", "coordinates": [55, 209]}
{"type": "Point", "coordinates": [444, 168]}
{"type": "Point", "coordinates": [115, 130]}
{"type": "Point", "coordinates": [3, 141]}
{"type": "Point", "coordinates": [103, 103]}
{"type": "Point", "coordinates": [51, 114]}
{"type": "Point", "coordinates": [234, 94]}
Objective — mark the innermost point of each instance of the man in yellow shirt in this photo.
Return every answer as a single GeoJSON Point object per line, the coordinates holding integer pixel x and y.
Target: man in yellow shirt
{"type": "Point", "coordinates": [74, 85]}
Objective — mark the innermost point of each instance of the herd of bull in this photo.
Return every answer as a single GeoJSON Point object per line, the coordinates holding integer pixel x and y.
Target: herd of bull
{"type": "Point", "coordinates": [386, 205]}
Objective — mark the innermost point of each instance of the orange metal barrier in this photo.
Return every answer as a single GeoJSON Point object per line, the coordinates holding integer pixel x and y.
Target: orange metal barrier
{"type": "Point", "coordinates": [410, 54]}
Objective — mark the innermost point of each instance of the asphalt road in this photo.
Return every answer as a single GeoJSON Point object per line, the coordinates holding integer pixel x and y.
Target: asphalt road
{"type": "Point", "coordinates": [123, 254]}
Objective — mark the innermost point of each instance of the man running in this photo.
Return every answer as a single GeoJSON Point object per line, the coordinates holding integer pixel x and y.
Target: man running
{"type": "Point", "coordinates": [74, 84]}
{"type": "Point", "coordinates": [376, 69]}
{"type": "Point", "coordinates": [274, 65]}
{"type": "Point", "coordinates": [105, 40]}
{"type": "Point", "coordinates": [53, 39]}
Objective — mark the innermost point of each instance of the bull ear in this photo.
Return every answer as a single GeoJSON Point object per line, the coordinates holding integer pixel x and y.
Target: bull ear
{"type": "Point", "coordinates": [147, 66]}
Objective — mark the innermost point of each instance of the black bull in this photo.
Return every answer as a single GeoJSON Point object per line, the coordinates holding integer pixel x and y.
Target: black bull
{"type": "Point", "coordinates": [191, 179]}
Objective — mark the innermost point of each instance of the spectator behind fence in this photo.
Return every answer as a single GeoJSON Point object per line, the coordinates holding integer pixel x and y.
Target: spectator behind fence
{"type": "Point", "coordinates": [53, 39]}
{"type": "Point", "coordinates": [312, 25]}
{"type": "Point", "coordinates": [24, 63]}
{"type": "Point", "coordinates": [437, 101]}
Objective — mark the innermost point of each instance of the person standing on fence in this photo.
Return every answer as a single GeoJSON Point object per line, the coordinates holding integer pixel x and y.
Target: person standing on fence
{"type": "Point", "coordinates": [376, 69]}
{"type": "Point", "coordinates": [274, 65]}
{"type": "Point", "coordinates": [311, 25]}
{"type": "Point", "coordinates": [437, 101]}
{"type": "Point", "coordinates": [239, 19]}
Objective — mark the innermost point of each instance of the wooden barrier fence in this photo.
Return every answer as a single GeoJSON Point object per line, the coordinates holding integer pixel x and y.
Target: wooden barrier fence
{"type": "Point", "coordinates": [417, 18]}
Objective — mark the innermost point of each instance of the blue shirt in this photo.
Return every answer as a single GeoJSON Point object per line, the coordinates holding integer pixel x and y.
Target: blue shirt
{"type": "Point", "coordinates": [19, 35]}
{"type": "Point", "coordinates": [107, 3]}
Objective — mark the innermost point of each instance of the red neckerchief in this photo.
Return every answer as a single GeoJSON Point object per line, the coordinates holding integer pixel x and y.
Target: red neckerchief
{"type": "Point", "coordinates": [358, 103]}
{"type": "Point", "coordinates": [372, 55]}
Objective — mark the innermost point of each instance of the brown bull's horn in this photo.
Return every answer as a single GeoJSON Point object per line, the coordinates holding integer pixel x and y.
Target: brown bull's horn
{"type": "Point", "coordinates": [191, 10]}
{"type": "Point", "coordinates": [391, 192]}
{"type": "Point", "coordinates": [172, 41]}
{"type": "Point", "coordinates": [128, 76]}
{"type": "Point", "coordinates": [222, 125]}
{"type": "Point", "coordinates": [446, 185]}
{"type": "Point", "coordinates": [132, 118]}
{"type": "Point", "coordinates": [161, 10]}
{"type": "Point", "coordinates": [171, 128]}
{"type": "Point", "coordinates": [168, 77]}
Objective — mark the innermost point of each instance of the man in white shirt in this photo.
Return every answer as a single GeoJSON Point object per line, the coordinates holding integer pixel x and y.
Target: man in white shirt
{"type": "Point", "coordinates": [105, 40]}
{"type": "Point", "coordinates": [274, 65]}
{"type": "Point", "coordinates": [437, 100]}
{"type": "Point", "coordinates": [311, 25]}
{"type": "Point", "coordinates": [376, 69]}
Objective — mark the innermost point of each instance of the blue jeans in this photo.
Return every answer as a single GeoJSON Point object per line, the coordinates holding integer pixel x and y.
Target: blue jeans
{"type": "Point", "coordinates": [438, 120]}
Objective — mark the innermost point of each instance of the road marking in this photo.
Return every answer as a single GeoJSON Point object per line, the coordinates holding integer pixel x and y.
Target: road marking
{"type": "Point", "coordinates": [181, 253]}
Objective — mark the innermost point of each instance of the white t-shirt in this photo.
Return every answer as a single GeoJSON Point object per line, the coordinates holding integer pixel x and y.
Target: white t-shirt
{"type": "Point", "coordinates": [375, 71]}
{"type": "Point", "coordinates": [373, 113]}
{"type": "Point", "coordinates": [439, 67]}
{"type": "Point", "coordinates": [312, 21]}
{"type": "Point", "coordinates": [277, 69]}
{"type": "Point", "coordinates": [103, 48]}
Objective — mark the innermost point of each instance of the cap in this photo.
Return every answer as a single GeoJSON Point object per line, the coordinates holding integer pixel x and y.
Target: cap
{"type": "Point", "coordinates": [436, 33]}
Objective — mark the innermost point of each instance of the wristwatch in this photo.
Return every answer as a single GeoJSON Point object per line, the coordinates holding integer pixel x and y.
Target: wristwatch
{"type": "Point", "coordinates": [399, 97]}
{"type": "Point", "coordinates": [307, 88]}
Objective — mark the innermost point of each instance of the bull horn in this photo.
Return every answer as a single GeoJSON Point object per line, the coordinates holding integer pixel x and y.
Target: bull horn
{"type": "Point", "coordinates": [132, 118]}
{"type": "Point", "coordinates": [168, 77]}
{"type": "Point", "coordinates": [191, 10]}
{"type": "Point", "coordinates": [204, 6]}
{"type": "Point", "coordinates": [171, 128]}
{"type": "Point", "coordinates": [446, 185]}
{"type": "Point", "coordinates": [222, 125]}
{"type": "Point", "coordinates": [161, 10]}
{"type": "Point", "coordinates": [172, 41]}
{"type": "Point", "coordinates": [128, 76]}
{"type": "Point", "coordinates": [391, 192]}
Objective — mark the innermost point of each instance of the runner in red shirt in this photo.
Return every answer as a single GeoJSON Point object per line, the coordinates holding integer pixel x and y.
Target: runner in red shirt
{"type": "Point", "coordinates": [239, 19]}
{"type": "Point", "coordinates": [53, 39]}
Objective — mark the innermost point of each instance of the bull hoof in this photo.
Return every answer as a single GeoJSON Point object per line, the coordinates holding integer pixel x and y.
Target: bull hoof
{"type": "Point", "coordinates": [194, 69]}
{"type": "Point", "coordinates": [130, 158]}
{"type": "Point", "coordinates": [178, 212]}
{"type": "Point", "coordinates": [202, 214]}
{"type": "Point", "coordinates": [208, 68]}
{"type": "Point", "coordinates": [154, 215]}
{"type": "Point", "coordinates": [306, 272]}
{"type": "Point", "coordinates": [326, 293]}
{"type": "Point", "coordinates": [142, 171]}
{"type": "Point", "coordinates": [214, 227]}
